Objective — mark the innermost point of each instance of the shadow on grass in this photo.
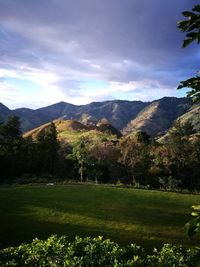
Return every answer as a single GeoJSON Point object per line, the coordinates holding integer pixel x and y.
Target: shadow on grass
{"type": "Point", "coordinates": [20, 223]}
{"type": "Point", "coordinates": [24, 229]}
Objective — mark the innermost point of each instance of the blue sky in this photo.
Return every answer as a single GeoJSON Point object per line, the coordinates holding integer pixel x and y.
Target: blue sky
{"type": "Point", "coordinates": [81, 51]}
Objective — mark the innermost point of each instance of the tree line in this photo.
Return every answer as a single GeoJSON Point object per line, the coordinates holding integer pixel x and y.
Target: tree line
{"type": "Point", "coordinates": [132, 160]}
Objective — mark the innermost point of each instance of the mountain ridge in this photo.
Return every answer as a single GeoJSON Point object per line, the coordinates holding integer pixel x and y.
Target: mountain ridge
{"type": "Point", "coordinates": [153, 117]}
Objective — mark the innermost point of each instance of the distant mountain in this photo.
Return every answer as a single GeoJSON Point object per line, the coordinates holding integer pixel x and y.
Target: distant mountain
{"type": "Point", "coordinates": [159, 116]}
{"type": "Point", "coordinates": [4, 112]}
{"type": "Point", "coordinates": [117, 112]}
{"type": "Point", "coordinates": [154, 117]}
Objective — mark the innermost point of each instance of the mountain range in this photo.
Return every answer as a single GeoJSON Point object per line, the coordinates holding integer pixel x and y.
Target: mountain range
{"type": "Point", "coordinates": [154, 117]}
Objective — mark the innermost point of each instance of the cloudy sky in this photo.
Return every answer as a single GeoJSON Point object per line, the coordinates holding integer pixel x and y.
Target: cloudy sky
{"type": "Point", "coordinates": [81, 51]}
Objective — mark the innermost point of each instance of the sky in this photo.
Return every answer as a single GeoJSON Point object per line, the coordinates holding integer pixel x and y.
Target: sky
{"type": "Point", "coordinates": [80, 51]}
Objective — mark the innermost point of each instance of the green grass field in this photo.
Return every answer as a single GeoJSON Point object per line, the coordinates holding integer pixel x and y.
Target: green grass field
{"type": "Point", "coordinates": [148, 218]}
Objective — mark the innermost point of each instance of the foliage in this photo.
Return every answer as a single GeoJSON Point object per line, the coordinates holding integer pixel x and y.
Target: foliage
{"type": "Point", "coordinates": [194, 84]}
{"type": "Point", "coordinates": [94, 252]}
{"type": "Point", "coordinates": [193, 226]}
{"type": "Point", "coordinates": [11, 141]}
{"type": "Point", "coordinates": [168, 183]}
{"type": "Point", "coordinates": [47, 149]}
{"type": "Point", "coordinates": [12, 128]}
{"type": "Point", "coordinates": [80, 154]}
{"type": "Point", "coordinates": [136, 157]}
{"type": "Point", "coordinates": [179, 146]}
{"type": "Point", "coordinates": [192, 28]}
{"type": "Point", "coordinates": [99, 157]}
{"type": "Point", "coordinates": [104, 158]}
{"type": "Point", "coordinates": [191, 25]}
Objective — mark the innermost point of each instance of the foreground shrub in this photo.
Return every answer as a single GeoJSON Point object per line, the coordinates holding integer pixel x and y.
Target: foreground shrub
{"type": "Point", "coordinates": [94, 252]}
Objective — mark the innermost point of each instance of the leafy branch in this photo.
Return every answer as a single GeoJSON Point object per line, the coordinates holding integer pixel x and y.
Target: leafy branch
{"type": "Point", "coordinates": [191, 26]}
{"type": "Point", "coordinates": [194, 84]}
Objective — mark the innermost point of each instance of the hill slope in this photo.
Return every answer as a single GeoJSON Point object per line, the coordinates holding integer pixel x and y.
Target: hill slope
{"type": "Point", "coordinates": [70, 131]}
{"type": "Point", "coordinates": [159, 116]}
{"type": "Point", "coordinates": [192, 116]}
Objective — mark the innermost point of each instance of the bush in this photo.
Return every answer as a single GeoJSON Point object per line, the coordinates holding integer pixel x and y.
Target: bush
{"type": "Point", "coordinates": [88, 252]}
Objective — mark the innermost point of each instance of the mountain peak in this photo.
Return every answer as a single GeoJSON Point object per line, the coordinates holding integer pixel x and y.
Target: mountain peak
{"type": "Point", "coordinates": [152, 117]}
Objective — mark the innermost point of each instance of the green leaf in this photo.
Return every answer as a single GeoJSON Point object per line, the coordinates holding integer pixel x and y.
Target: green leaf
{"type": "Point", "coordinates": [188, 14]}
{"type": "Point", "coordinates": [196, 8]}
{"type": "Point", "coordinates": [192, 35]}
{"type": "Point", "coordinates": [187, 42]}
{"type": "Point", "coordinates": [183, 25]}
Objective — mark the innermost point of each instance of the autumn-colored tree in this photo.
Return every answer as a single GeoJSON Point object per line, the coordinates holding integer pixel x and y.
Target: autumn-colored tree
{"type": "Point", "coordinates": [136, 157]}
{"type": "Point", "coordinates": [104, 156]}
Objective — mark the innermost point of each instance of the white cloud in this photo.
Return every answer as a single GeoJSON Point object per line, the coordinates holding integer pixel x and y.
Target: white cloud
{"type": "Point", "coordinates": [134, 85]}
{"type": "Point", "coordinates": [70, 42]}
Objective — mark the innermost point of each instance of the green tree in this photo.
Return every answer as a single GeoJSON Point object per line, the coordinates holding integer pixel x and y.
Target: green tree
{"type": "Point", "coordinates": [142, 137]}
{"type": "Point", "coordinates": [47, 146]}
{"type": "Point", "coordinates": [104, 156]}
{"type": "Point", "coordinates": [11, 135]}
{"type": "Point", "coordinates": [191, 26]}
{"type": "Point", "coordinates": [11, 148]}
{"type": "Point", "coordinates": [180, 146]}
{"type": "Point", "coordinates": [29, 151]}
{"type": "Point", "coordinates": [196, 154]}
{"type": "Point", "coordinates": [135, 155]}
{"type": "Point", "coordinates": [12, 128]}
{"type": "Point", "coordinates": [52, 146]}
{"type": "Point", "coordinates": [170, 164]}
{"type": "Point", "coordinates": [81, 156]}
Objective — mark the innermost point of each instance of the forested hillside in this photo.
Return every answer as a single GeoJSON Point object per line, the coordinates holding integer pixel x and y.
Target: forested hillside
{"type": "Point", "coordinates": [65, 150]}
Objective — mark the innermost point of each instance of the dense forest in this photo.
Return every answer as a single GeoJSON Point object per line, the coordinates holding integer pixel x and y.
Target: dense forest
{"type": "Point", "coordinates": [136, 160]}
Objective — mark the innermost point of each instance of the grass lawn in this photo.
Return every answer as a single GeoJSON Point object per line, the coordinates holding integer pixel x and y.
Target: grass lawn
{"type": "Point", "coordinates": [148, 218]}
